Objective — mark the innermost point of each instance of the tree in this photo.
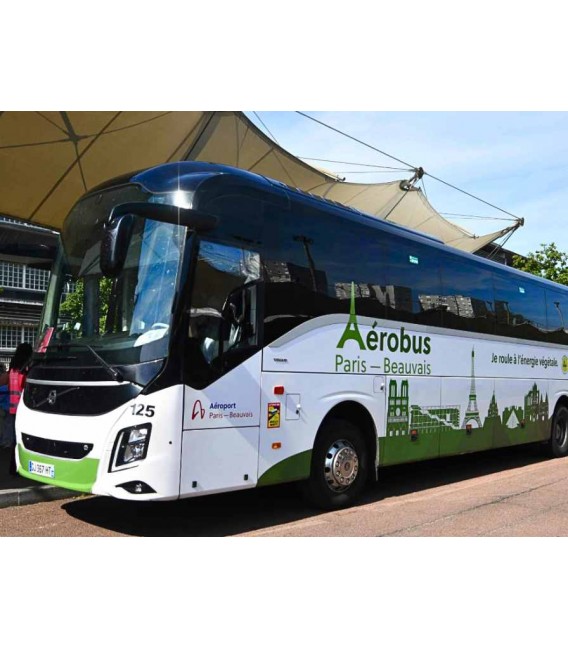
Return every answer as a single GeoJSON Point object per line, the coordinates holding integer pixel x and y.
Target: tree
{"type": "Point", "coordinates": [72, 306]}
{"type": "Point", "coordinates": [548, 262]}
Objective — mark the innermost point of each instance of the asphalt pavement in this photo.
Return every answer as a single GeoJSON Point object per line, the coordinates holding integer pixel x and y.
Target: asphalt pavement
{"type": "Point", "coordinates": [507, 492]}
{"type": "Point", "coordinates": [15, 490]}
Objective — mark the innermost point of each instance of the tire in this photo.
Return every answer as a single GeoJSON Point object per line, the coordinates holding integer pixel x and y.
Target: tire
{"type": "Point", "coordinates": [558, 445]}
{"type": "Point", "coordinates": [340, 466]}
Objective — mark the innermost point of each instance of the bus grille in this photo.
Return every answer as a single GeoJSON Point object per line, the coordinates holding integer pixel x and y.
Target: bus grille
{"type": "Point", "coordinates": [55, 448]}
{"type": "Point", "coordinates": [77, 399]}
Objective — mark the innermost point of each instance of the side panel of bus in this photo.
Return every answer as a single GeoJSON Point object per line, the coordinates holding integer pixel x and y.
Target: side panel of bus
{"type": "Point", "coordinates": [466, 394]}
{"type": "Point", "coordinates": [221, 433]}
{"type": "Point", "coordinates": [294, 404]}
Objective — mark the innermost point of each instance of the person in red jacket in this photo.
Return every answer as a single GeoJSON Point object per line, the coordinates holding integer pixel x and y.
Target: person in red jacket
{"type": "Point", "coordinates": [15, 378]}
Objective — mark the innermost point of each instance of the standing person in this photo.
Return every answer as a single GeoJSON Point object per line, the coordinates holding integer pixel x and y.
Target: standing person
{"type": "Point", "coordinates": [15, 378]}
{"type": "Point", "coordinates": [4, 403]}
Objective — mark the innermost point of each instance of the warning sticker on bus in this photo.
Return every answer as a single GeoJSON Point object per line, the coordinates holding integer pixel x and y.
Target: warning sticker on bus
{"type": "Point", "coordinates": [274, 415]}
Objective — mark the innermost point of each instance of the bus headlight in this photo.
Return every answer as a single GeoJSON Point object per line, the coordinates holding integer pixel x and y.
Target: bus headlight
{"type": "Point", "coordinates": [132, 444]}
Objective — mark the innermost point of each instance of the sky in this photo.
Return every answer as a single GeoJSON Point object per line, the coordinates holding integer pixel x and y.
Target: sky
{"type": "Point", "coordinates": [517, 161]}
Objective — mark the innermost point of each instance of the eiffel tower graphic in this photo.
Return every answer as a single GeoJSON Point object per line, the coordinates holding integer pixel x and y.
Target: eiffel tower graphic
{"type": "Point", "coordinates": [472, 411]}
{"type": "Point", "coordinates": [352, 329]}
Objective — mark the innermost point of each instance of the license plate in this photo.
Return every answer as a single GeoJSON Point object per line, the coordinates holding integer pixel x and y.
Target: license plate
{"type": "Point", "coordinates": [46, 470]}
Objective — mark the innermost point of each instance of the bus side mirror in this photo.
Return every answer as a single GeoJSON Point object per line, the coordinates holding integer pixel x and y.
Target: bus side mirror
{"type": "Point", "coordinates": [114, 245]}
{"type": "Point", "coordinates": [118, 229]}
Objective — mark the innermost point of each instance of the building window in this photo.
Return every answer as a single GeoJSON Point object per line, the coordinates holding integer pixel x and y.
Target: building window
{"type": "Point", "coordinates": [28, 335]}
{"type": "Point", "coordinates": [21, 276]}
{"type": "Point", "coordinates": [11, 275]}
{"type": "Point", "coordinates": [36, 279]}
{"type": "Point", "coordinates": [10, 337]}
{"type": "Point", "coordinates": [69, 287]}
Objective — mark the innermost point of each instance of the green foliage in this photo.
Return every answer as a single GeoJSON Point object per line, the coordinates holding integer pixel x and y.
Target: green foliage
{"type": "Point", "coordinates": [72, 307]}
{"type": "Point", "coordinates": [548, 262]}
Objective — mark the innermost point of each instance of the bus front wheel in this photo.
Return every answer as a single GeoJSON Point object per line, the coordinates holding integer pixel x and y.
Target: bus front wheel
{"type": "Point", "coordinates": [339, 465]}
{"type": "Point", "coordinates": [559, 433]}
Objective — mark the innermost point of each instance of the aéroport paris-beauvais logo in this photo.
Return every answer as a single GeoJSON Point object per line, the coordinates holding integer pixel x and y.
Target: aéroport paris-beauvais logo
{"type": "Point", "coordinates": [382, 341]}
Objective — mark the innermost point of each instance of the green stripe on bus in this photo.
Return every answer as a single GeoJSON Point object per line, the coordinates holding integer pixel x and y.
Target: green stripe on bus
{"type": "Point", "coordinates": [79, 475]}
{"type": "Point", "coordinates": [444, 443]}
{"type": "Point", "coordinates": [296, 467]}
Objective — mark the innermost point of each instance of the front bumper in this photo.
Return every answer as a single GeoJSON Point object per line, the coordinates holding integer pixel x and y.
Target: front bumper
{"type": "Point", "coordinates": [78, 475]}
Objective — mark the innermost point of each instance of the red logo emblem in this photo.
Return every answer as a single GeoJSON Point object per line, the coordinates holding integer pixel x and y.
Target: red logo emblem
{"type": "Point", "coordinates": [198, 410]}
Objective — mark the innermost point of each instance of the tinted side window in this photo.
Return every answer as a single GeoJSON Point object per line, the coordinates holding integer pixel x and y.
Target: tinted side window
{"type": "Point", "coordinates": [467, 296]}
{"type": "Point", "coordinates": [557, 317]}
{"type": "Point", "coordinates": [312, 261]}
{"type": "Point", "coordinates": [222, 330]}
{"type": "Point", "coordinates": [240, 220]}
{"type": "Point", "coordinates": [413, 288]}
{"type": "Point", "coordinates": [520, 308]}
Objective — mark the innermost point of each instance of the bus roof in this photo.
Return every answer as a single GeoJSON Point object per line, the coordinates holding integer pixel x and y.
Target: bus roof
{"type": "Point", "coordinates": [192, 175]}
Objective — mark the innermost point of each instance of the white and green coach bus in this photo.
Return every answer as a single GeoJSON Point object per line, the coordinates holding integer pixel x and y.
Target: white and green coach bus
{"type": "Point", "coordinates": [207, 330]}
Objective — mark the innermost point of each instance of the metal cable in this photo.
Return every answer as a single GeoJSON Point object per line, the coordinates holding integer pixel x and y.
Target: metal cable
{"type": "Point", "coordinates": [377, 171]}
{"type": "Point", "coordinates": [500, 246]}
{"type": "Point", "coordinates": [357, 164]}
{"type": "Point", "coordinates": [266, 127]}
{"type": "Point", "coordinates": [476, 216]}
{"type": "Point", "coordinates": [517, 218]}
{"type": "Point", "coordinates": [369, 146]}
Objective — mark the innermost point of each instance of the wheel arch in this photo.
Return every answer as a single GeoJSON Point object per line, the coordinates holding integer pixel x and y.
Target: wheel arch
{"type": "Point", "coordinates": [558, 440]}
{"type": "Point", "coordinates": [359, 415]}
{"type": "Point", "coordinates": [561, 401]}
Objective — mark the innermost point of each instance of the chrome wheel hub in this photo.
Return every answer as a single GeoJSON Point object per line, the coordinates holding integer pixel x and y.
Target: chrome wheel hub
{"type": "Point", "coordinates": [341, 466]}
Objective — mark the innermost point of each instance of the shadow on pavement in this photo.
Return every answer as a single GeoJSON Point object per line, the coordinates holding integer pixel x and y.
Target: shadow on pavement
{"type": "Point", "coordinates": [218, 515]}
{"type": "Point", "coordinates": [258, 509]}
{"type": "Point", "coordinates": [8, 481]}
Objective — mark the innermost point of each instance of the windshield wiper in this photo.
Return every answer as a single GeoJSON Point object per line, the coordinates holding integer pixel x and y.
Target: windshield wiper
{"type": "Point", "coordinates": [116, 375]}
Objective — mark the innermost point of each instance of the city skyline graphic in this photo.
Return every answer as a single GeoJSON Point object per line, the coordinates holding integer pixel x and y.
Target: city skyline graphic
{"type": "Point", "coordinates": [402, 416]}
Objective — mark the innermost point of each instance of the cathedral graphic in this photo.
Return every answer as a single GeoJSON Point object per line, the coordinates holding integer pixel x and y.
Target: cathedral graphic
{"type": "Point", "coordinates": [397, 412]}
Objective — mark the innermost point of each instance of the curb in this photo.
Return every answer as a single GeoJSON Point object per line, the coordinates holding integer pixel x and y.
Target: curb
{"type": "Point", "coordinates": [33, 495]}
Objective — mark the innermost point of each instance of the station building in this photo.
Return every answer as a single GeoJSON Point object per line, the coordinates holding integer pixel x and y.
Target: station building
{"type": "Point", "coordinates": [26, 255]}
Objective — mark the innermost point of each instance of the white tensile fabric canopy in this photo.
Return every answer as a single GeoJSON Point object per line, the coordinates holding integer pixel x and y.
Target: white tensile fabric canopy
{"type": "Point", "coordinates": [49, 159]}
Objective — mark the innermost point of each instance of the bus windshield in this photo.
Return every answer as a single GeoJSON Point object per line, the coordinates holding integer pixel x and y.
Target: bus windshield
{"type": "Point", "coordinates": [126, 319]}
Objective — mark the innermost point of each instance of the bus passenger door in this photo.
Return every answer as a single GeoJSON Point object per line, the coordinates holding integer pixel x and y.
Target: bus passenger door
{"type": "Point", "coordinates": [223, 360]}
{"type": "Point", "coordinates": [221, 432]}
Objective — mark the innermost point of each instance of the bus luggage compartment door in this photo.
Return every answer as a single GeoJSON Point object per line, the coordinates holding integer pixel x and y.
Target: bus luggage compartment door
{"type": "Point", "coordinates": [217, 460]}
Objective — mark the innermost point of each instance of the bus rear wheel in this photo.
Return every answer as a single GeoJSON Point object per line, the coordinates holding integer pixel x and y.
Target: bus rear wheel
{"type": "Point", "coordinates": [339, 465]}
{"type": "Point", "coordinates": [559, 434]}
